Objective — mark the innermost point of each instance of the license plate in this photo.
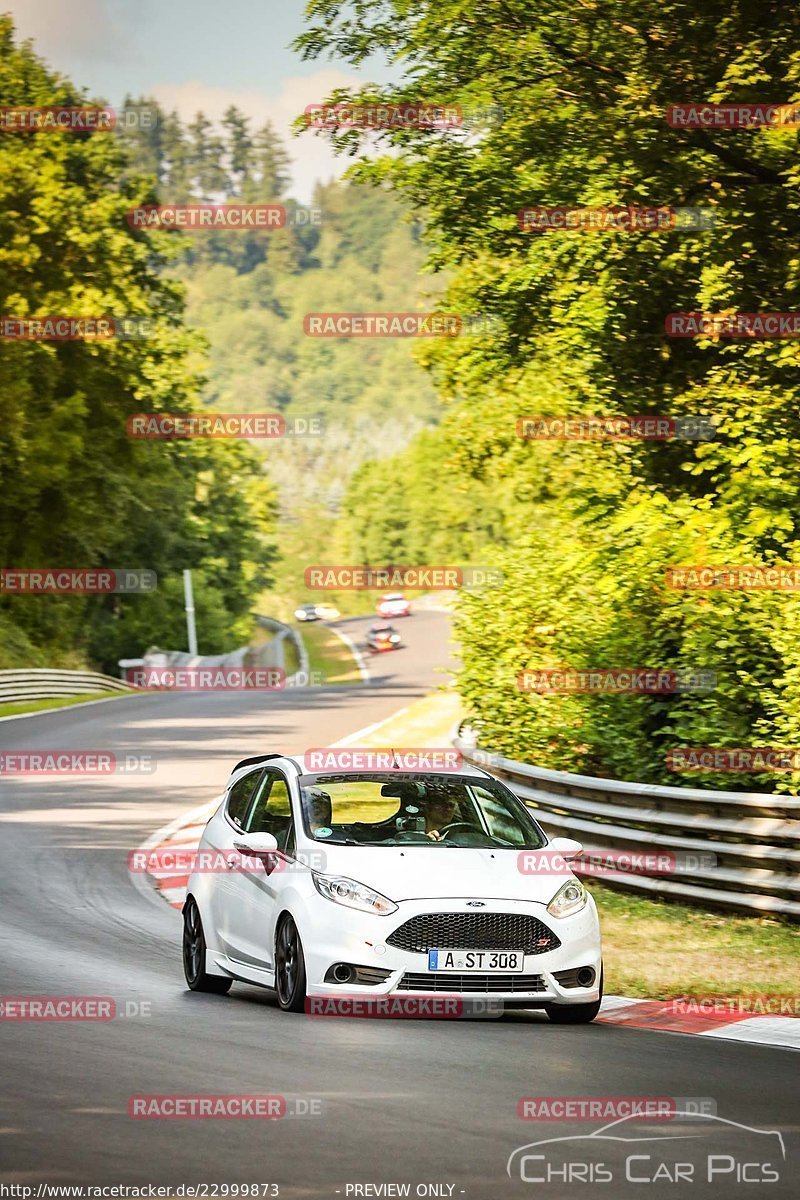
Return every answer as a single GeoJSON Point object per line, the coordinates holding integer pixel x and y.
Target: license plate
{"type": "Point", "coordinates": [476, 960]}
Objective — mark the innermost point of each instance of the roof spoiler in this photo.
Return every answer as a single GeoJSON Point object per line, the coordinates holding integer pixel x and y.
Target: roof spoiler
{"type": "Point", "coordinates": [251, 762]}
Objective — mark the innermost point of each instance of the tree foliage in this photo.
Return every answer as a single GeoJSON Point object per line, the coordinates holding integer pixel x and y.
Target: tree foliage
{"type": "Point", "coordinates": [585, 531]}
{"type": "Point", "coordinates": [77, 491]}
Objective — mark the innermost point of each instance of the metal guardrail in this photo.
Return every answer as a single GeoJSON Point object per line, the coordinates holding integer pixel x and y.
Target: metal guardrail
{"type": "Point", "coordinates": [282, 632]}
{"type": "Point", "coordinates": [16, 687]}
{"type": "Point", "coordinates": [752, 839]}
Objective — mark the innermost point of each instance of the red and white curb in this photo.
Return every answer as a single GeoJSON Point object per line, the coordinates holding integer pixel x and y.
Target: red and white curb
{"type": "Point", "coordinates": [183, 837]}
{"type": "Point", "coordinates": [703, 1019]}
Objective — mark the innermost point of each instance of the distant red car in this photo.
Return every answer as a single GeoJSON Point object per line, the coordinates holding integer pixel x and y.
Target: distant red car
{"type": "Point", "coordinates": [394, 605]}
{"type": "Point", "coordinates": [383, 637]}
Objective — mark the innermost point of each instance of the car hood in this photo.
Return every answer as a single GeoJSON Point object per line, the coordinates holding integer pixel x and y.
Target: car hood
{"type": "Point", "coordinates": [422, 872]}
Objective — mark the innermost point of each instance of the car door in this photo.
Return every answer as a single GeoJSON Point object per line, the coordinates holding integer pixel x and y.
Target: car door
{"type": "Point", "coordinates": [218, 839]}
{"type": "Point", "coordinates": [254, 886]}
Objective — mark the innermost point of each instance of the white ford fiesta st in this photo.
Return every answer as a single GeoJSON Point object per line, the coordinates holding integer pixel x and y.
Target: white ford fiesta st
{"type": "Point", "coordinates": [388, 883]}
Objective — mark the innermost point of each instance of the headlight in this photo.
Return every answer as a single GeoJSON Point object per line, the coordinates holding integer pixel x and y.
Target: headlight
{"type": "Point", "coordinates": [352, 894]}
{"type": "Point", "coordinates": [570, 898]}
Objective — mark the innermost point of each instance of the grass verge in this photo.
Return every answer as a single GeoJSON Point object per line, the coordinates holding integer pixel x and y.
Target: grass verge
{"type": "Point", "coordinates": [427, 722]}
{"type": "Point", "coordinates": [30, 706]}
{"type": "Point", "coordinates": [329, 655]}
{"type": "Point", "coordinates": [659, 950]}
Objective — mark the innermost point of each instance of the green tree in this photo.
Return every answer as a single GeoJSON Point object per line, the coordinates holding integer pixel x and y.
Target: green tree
{"type": "Point", "coordinates": [584, 94]}
{"type": "Point", "coordinates": [270, 171]}
{"type": "Point", "coordinates": [239, 149]}
{"type": "Point", "coordinates": [77, 491]}
{"type": "Point", "coordinates": [206, 165]}
{"type": "Point", "coordinates": [176, 174]}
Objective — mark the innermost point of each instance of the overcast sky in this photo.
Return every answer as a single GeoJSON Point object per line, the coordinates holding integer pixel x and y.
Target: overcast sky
{"type": "Point", "coordinates": [194, 54]}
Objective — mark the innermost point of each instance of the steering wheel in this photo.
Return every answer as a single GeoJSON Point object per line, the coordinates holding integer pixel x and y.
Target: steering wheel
{"type": "Point", "coordinates": [460, 825]}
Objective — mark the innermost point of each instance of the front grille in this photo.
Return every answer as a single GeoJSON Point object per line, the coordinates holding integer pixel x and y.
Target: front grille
{"type": "Point", "coordinates": [437, 981]}
{"type": "Point", "coordinates": [474, 931]}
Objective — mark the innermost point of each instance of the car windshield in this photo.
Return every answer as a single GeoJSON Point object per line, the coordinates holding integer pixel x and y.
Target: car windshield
{"type": "Point", "coordinates": [395, 808]}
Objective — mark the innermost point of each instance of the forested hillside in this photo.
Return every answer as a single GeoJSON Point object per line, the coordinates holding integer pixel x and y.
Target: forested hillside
{"type": "Point", "coordinates": [585, 531]}
{"type": "Point", "coordinates": [352, 250]}
{"type": "Point", "coordinates": [228, 310]}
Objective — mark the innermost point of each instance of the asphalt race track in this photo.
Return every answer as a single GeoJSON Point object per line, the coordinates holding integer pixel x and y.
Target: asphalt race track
{"type": "Point", "coordinates": [417, 1102]}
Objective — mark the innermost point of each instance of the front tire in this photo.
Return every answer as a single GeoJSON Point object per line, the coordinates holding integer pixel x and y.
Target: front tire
{"type": "Point", "coordinates": [575, 1014]}
{"type": "Point", "coordinates": [194, 955]}
{"type": "Point", "coordinates": [290, 967]}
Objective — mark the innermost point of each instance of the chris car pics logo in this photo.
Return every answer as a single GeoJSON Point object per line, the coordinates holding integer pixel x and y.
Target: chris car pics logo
{"type": "Point", "coordinates": [704, 1149]}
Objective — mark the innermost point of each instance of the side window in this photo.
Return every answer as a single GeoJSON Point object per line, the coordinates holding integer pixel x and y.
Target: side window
{"type": "Point", "coordinates": [271, 811]}
{"type": "Point", "coordinates": [240, 796]}
{"type": "Point", "coordinates": [497, 819]}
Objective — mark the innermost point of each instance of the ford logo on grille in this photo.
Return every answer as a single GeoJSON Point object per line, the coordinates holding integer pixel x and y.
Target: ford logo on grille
{"type": "Point", "coordinates": [475, 904]}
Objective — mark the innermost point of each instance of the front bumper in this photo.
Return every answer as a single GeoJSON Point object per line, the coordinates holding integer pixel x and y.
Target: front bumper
{"type": "Point", "coordinates": [334, 934]}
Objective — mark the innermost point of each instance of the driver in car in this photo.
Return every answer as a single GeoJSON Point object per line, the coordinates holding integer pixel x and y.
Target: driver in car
{"type": "Point", "coordinates": [440, 811]}
{"type": "Point", "coordinates": [317, 805]}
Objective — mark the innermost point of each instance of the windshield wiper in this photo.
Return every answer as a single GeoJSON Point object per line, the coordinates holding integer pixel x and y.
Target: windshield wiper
{"type": "Point", "coordinates": [339, 842]}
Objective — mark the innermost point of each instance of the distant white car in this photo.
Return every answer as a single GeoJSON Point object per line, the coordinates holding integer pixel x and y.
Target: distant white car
{"type": "Point", "coordinates": [394, 605]}
{"type": "Point", "coordinates": [390, 882]}
{"type": "Point", "coordinates": [316, 612]}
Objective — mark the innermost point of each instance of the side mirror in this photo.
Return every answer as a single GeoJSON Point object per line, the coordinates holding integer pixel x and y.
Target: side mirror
{"type": "Point", "coordinates": [256, 845]}
{"type": "Point", "coordinates": [566, 847]}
